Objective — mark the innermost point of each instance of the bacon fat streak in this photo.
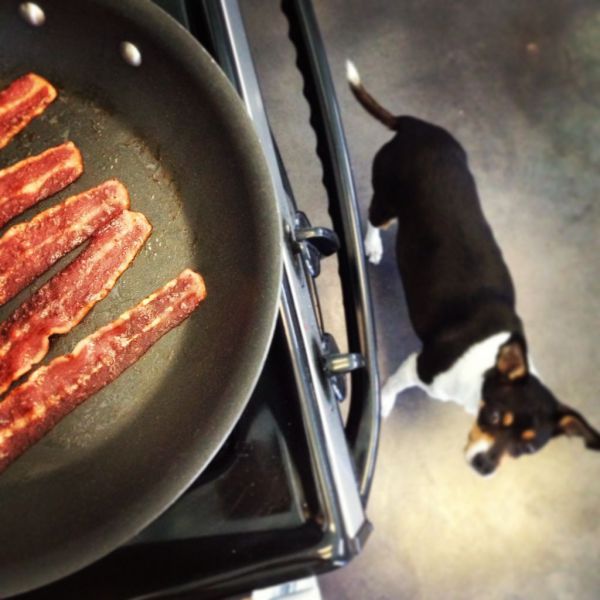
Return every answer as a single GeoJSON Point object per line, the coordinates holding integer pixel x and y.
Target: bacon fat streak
{"type": "Point", "coordinates": [24, 99]}
{"type": "Point", "coordinates": [32, 409]}
{"type": "Point", "coordinates": [28, 249]}
{"type": "Point", "coordinates": [27, 182]}
{"type": "Point", "coordinates": [63, 302]}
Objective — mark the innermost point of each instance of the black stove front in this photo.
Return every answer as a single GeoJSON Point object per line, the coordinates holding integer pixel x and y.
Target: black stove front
{"type": "Point", "coordinates": [284, 498]}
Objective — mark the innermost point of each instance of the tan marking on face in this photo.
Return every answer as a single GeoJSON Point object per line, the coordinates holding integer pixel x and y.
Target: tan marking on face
{"type": "Point", "coordinates": [528, 434]}
{"type": "Point", "coordinates": [508, 419]}
{"type": "Point", "coordinates": [477, 434]}
{"type": "Point", "coordinates": [386, 225]}
{"type": "Point", "coordinates": [478, 440]}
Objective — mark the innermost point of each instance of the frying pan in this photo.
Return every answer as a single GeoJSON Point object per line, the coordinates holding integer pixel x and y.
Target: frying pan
{"type": "Point", "coordinates": [174, 131]}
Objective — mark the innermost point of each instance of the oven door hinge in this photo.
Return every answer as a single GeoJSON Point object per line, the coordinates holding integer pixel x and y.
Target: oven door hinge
{"type": "Point", "coordinates": [337, 365]}
{"type": "Point", "coordinates": [313, 243]}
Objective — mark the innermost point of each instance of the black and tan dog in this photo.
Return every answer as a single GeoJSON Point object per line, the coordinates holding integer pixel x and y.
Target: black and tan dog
{"type": "Point", "coordinates": [459, 293]}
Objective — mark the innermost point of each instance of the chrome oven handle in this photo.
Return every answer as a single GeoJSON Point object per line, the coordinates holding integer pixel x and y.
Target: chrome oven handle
{"type": "Point", "coordinates": [363, 424]}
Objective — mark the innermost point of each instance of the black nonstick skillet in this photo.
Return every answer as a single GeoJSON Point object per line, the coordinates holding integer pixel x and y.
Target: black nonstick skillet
{"type": "Point", "coordinates": [145, 104]}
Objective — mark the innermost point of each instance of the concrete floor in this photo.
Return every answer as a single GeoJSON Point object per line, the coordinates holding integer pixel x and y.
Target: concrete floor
{"type": "Point", "coordinates": [520, 88]}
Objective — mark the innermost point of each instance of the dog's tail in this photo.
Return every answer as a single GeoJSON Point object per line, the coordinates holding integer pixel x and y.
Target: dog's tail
{"type": "Point", "coordinates": [368, 102]}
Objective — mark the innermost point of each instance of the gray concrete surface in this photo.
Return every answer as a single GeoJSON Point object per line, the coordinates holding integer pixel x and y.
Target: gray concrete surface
{"type": "Point", "coordinates": [518, 83]}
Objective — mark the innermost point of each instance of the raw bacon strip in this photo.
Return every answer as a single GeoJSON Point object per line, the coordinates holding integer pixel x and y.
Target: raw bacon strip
{"type": "Point", "coordinates": [28, 249]}
{"type": "Point", "coordinates": [64, 301]}
{"type": "Point", "coordinates": [27, 182]}
{"type": "Point", "coordinates": [53, 391]}
{"type": "Point", "coordinates": [24, 99]}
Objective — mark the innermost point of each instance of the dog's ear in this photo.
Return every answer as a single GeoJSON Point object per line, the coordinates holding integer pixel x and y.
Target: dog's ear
{"type": "Point", "coordinates": [570, 422]}
{"type": "Point", "coordinates": [511, 360]}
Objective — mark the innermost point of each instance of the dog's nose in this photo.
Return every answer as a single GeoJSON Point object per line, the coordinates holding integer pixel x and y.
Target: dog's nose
{"type": "Point", "coordinates": [483, 464]}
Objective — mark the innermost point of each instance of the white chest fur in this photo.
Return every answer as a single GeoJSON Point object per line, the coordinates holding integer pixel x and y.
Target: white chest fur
{"type": "Point", "coordinates": [463, 381]}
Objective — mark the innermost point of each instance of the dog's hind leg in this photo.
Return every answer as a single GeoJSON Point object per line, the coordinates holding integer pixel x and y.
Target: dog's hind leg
{"type": "Point", "coordinates": [405, 377]}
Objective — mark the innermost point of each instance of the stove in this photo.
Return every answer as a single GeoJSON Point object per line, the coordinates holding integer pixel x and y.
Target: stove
{"type": "Point", "coordinates": [285, 496]}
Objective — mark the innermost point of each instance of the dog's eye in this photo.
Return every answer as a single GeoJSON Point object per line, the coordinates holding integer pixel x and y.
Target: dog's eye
{"type": "Point", "coordinates": [529, 448]}
{"type": "Point", "coordinates": [494, 417]}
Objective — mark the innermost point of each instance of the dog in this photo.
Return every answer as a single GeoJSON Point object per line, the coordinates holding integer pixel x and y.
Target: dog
{"type": "Point", "coordinates": [459, 293]}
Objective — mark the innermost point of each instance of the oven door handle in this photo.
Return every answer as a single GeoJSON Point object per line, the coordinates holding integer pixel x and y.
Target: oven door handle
{"type": "Point", "coordinates": [363, 423]}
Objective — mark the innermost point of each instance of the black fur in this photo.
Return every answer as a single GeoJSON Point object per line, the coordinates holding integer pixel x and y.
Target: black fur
{"type": "Point", "coordinates": [457, 286]}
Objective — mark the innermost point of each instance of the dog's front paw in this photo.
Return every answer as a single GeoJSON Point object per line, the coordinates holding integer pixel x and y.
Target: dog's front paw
{"type": "Point", "coordinates": [373, 245]}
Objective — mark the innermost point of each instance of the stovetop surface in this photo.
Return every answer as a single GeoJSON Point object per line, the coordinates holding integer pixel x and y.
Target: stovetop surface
{"type": "Point", "coordinates": [260, 479]}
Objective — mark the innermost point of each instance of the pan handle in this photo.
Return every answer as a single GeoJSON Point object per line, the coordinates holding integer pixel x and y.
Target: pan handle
{"type": "Point", "coordinates": [363, 423]}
